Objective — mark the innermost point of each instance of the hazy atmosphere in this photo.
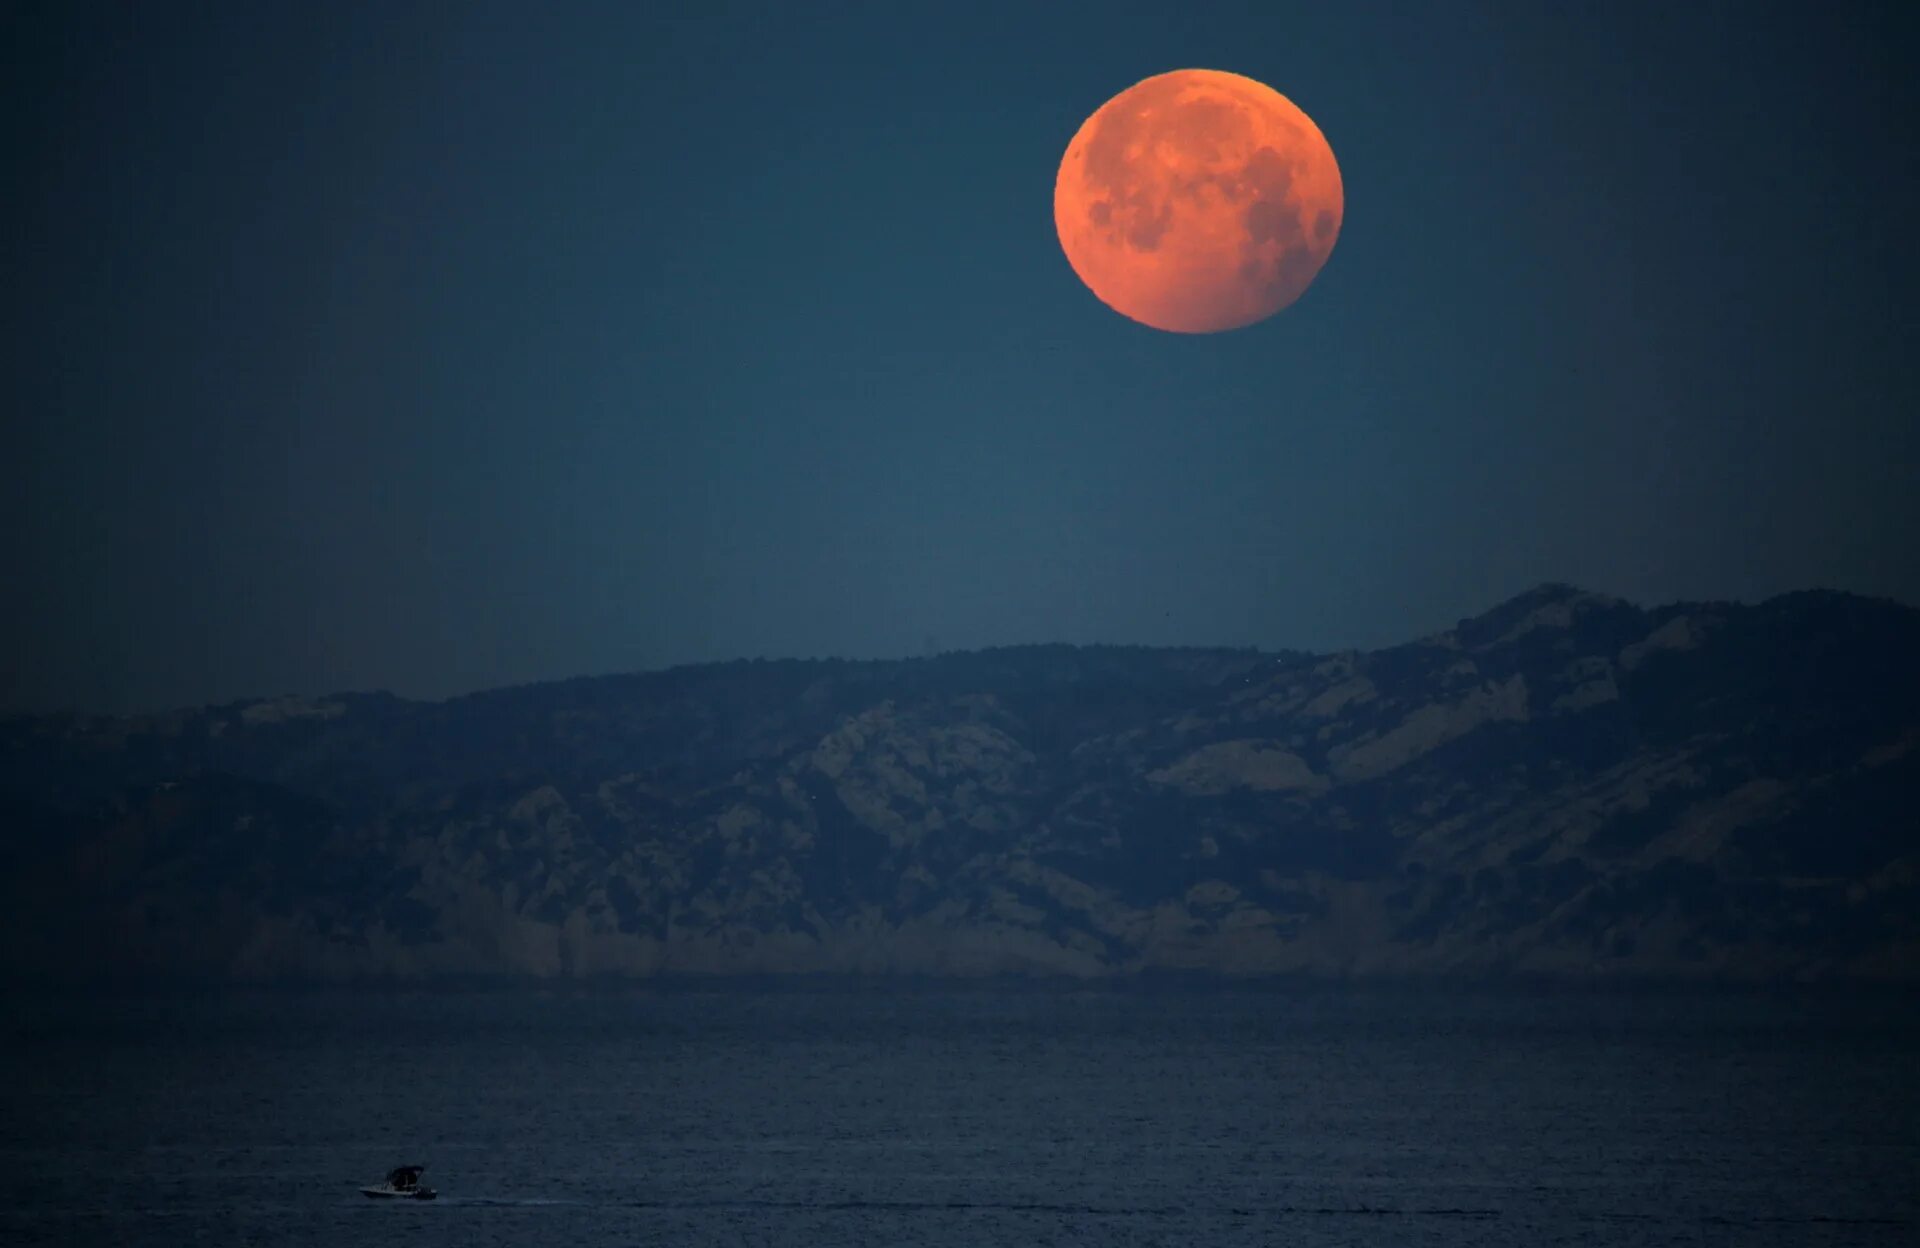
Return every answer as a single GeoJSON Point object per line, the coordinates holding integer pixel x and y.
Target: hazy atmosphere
{"type": "Point", "coordinates": [935, 626]}
{"type": "Point", "coordinates": [388, 346]}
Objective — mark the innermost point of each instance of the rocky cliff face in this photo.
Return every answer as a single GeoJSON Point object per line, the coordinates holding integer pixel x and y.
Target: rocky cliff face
{"type": "Point", "coordinates": [1567, 786]}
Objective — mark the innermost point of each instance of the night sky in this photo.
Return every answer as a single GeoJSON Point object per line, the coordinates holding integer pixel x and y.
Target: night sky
{"type": "Point", "coordinates": [438, 347]}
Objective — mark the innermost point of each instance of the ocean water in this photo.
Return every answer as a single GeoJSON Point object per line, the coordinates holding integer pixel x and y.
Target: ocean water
{"type": "Point", "coordinates": [988, 1117]}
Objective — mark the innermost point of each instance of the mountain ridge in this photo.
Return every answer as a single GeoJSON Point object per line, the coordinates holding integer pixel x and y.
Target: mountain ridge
{"type": "Point", "coordinates": [1564, 787]}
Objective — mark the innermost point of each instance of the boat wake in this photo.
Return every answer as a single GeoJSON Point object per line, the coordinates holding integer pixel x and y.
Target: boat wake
{"type": "Point", "coordinates": [941, 1206]}
{"type": "Point", "coordinates": [1109, 1211]}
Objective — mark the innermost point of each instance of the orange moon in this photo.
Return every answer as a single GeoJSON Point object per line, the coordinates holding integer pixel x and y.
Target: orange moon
{"type": "Point", "coordinates": [1198, 201]}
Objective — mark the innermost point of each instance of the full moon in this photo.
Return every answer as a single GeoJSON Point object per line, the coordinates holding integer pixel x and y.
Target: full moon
{"type": "Point", "coordinates": [1198, 201]}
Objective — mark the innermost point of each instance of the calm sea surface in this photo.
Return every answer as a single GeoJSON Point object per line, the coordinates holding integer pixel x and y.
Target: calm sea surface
{"type": "Point", "coordinates": [978, 1117]}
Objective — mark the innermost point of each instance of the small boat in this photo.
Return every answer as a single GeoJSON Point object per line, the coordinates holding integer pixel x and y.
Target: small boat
{"type": "Point", "coordinates": [403, 1183]}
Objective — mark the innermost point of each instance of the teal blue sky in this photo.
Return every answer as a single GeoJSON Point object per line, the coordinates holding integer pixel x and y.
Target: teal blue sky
{"type": "Point", "coordinates": [383, 346]}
